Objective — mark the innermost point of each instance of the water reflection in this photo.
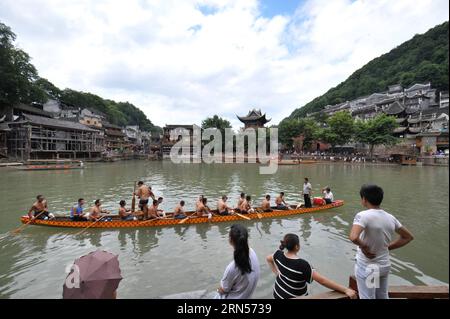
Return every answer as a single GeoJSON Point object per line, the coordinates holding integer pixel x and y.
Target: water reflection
{"type": "Point", "coordinates": [42, 253]}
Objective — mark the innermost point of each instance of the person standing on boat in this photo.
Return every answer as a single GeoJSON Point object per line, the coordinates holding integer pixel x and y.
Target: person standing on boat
{"type": "Point", "coordinates": [179, 212]}
{"type": "Point", "coordinates": [294, 273]}
{"type": "Point", "coordinates": [373, 231]}
{"type": "Point", "coordinates": [144, 193]}
{"type": "Point", "coordinates": [307, 191]}
{"type": "Point", "coordinates": [242, 274]}
{"type": "Point", "coordinates": [76, 213]}
{"type": "Point", "coordinates": [39, 209]}
{"type": "Point", "coordinates": [328, 196]}
{"type": "Point", "coordinates": [96, 213]}
{"type": "Point", "coordinates": [125, 213]}
{"type": "Point", "coordinates": [266, 204]}
{"type": "Point", "coordinates": [223, 207]}
{"type": "Point", "coordinates": [281, 203]}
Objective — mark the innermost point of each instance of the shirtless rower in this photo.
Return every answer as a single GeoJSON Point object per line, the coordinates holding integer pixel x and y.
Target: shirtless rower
{"type": "Point", "coordinates": [198, 202]}
{"type": "Point", "coordinates": [39, 209]}
{"type": "Point", "coordinates": [179, 212]}
{"type": "Point", "coordinates": [144, 192]}
{"type": "Point", "coordinates": [266, 204]}
{"type": "Point", "coordinates": [280, 203]}
{"type": "Point", "coordinates": [246, 206]}
{"type": "Point", "coordinates": [203, 209]}
{"type": "Point", "coordinates": [153, 211]}
{"type": "Point", "coordinates": [125, 213]}
{"type": "Point", "coordinates": [222, 206]}
{"type": "Point", "coordinates": [96, 212]}
{"type": "Point", "coordinates": [240, 201]}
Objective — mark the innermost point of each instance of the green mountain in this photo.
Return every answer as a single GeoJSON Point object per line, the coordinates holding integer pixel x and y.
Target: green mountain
{"type": "Point", "coordinates": [20, 83]}
{"type": "Point", "coordinates": [422, 59]}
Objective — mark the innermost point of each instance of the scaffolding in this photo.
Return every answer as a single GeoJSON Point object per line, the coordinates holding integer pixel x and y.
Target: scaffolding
{"type": "Point", "coordinates": [30, 140]}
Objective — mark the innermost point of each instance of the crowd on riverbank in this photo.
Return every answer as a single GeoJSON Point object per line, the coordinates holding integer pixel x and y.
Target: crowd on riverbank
{"type": "Point", "coordinates": [372, 232]}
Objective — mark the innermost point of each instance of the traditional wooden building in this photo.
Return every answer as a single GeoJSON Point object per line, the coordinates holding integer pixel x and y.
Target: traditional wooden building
{"type": "Point", "coordinates": [38, 137]}
{"type": "Point", "coordinates": [167, 142]}
{"type": "Point", "coordinates": [114, 137]}
{"type": "Point", "coordinates": [254, 119]}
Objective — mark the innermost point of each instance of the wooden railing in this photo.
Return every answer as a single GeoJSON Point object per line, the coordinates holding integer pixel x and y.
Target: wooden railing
{"type": "Point", "coordinates": [395, 292]}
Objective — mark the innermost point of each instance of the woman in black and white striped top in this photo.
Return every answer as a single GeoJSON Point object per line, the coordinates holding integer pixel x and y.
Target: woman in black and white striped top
{"type": "Point", "coordinates": [294, 274]}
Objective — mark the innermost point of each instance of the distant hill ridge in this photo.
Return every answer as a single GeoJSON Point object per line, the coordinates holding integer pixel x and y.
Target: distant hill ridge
{"type": "Point", "coordinates": [422, 59]}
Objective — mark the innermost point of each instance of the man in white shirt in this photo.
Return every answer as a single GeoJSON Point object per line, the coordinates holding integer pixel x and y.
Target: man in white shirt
{"type": "Point", "coordinates": [328, 196]}
{"type": "Point", "coordinates": [307, 190]}
{"type": "Point", "coordinates": [373, 231]}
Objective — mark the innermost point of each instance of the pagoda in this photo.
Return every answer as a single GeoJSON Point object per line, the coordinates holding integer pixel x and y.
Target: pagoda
{"type": "Point", "coordinates": [254, 119]}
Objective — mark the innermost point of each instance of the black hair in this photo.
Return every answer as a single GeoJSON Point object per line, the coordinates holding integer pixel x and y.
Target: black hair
{"type": "Point", "coordinates": [97, 201]}
{"type": "Point", "coordinates": [267, 196]}
{"type": "Point", "coordinates": [248, 197]}
{"type": "Point", "coordinates": [239, 239]}
{"type": "Point", "coordinates": [160, 199]}
{"type": "Point", "coordinates": [204, 200]}
{"type": "Point", "coordinates": [155, 201]}
{"type": "Point", "coordinates": [282, 193]}
{"type": "Point", "coordinates": [140, 182]}
{"type": "Point", "coordinates": [122, 203]}
{"type": "Point", "coordinates": [290, 241]}
{"type": "Point", "coordinates": [39, 196]}
{"type": "Point", "coordinates": [242, 195]}
{"type": "Point", "coordinates": [328, 189]}
{"type": "Point", "coordinates": [80, 199]}
{"type": "Point", "coordinates": [372, 193]}
{"type": "Point", "coordinates": [306, 179]}
{"type": "Point", "coordinates": [224, 197]}
{"type": "Point", "coordinates": [182, 203]}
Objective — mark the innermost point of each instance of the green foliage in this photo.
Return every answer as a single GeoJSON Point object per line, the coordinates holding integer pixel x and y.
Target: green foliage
{"type": "Point", "coordinates": [19, 82]}
{"type": "Point", "coordinates": [376, 131]}
{"type": "Point", "coordinates": [293, 128]}
{"type": "Point", "coordinates": [17, 74]}
{"type": "Point", "coordinates": [422, 59]}
{"type": "Point", "coordinates": [339, 130]}
{"type": "Point", "coordinates": [216, 122]}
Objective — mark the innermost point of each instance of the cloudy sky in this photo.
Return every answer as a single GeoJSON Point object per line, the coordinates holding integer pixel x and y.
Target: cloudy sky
{"type": "Point", "coordinates": [181, 61]}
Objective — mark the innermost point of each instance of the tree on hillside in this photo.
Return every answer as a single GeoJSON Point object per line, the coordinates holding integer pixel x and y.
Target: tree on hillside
{"type": "Point", "coordinates": [376, 131]}
{"type": "Point", "coordinates": [17, 74]}
{"type": "Point", "coordinates": [291, 129]}
{"type": "Point", "coordinates": [339, 130]}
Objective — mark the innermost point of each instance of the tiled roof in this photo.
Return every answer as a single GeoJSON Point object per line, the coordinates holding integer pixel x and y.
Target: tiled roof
{"type": "Point", "coordinates": [50, 122]}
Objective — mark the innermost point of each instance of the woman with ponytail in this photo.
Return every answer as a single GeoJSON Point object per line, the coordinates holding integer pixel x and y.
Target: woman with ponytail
{"type": "Point", "coordinates": [294, 274]}
{"type": "Point", "coordinates": [242, 274]}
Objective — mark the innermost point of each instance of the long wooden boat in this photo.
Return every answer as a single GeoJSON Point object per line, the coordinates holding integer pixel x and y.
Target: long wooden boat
{"type": "Point", "coordinates": [39, 165]}
{"type": "Point", "coordinates": [296, 162]}
{"type": "Point", "coordinates": [170, 221]}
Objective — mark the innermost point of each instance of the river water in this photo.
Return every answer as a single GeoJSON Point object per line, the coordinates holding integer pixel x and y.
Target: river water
{"type": "Point", "coordinates": [156, 262]}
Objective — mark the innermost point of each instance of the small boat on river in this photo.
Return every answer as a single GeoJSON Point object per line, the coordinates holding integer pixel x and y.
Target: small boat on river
{"type": "Point", "coordinates": [40, 165]}
{"type": "Point", "coordinates": [296, 162]}
{"type": "Point", "coordinates": [115, 222]}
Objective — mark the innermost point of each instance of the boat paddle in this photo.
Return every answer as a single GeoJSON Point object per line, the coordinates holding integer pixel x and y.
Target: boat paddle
{"type": "Point", "coordinates": [240, 215]}
{"type": "Point", "coordinates": [133, 201]}
{"type": "Point", "coordinates": [29, 222]}
{"type": "Point", "coordinates": [258, 212]}
{"type": "Point", "coordinates": [92, 224]}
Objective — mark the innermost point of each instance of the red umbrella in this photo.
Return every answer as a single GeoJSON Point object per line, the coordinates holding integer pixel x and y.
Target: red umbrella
{"type": "Point", "coordinates": [94, 276]}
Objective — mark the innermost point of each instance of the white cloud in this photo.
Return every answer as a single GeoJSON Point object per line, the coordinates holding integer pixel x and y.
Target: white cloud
{"type": "Point", "coordinates": [180, 61]}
